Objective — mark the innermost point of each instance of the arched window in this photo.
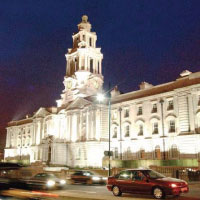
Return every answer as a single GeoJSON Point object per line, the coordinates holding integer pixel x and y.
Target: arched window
{"type": "Point", "coordinates": [127, 131]}
{"type": "Point", "coordinates": [141, 131]}
{"type": "Point", "coordinates": [157, 152]}
{"type": "Point", "coordinates": [155, 128]}
{"type": "Point", "coordinates": [172, 126]}
{"type": "Point", "coordinates": [174, 151]}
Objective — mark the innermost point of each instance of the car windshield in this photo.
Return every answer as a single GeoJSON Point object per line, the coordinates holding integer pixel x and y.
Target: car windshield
{"type": "Point", "coordinates": [153, 174]}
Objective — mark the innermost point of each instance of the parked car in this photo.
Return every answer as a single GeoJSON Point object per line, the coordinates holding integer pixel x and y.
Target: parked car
{"type": "Point", "coordinates": [46, 181]}
{"type": "Point", "coordinates": [87, 177]}
{"type": "Point", "coordinates": [146, 181]}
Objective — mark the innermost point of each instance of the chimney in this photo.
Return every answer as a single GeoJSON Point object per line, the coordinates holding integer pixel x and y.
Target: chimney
{"type": "Point", "coordinates": [115, 92]}
{"type": "Point", "coordinates": [144, 85]}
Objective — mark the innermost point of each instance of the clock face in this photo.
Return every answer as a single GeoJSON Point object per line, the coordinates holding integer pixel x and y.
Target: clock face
{"type": "Point", "coordinates": [69, 84]}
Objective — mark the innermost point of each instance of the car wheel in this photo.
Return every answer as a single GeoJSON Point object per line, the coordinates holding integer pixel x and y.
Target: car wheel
{"type": "Point", "coordinates": [158, 193]}
{"type": "Point", "coordinates": [116, 191]}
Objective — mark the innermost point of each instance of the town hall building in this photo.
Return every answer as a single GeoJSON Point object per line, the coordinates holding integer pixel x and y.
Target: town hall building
{"type": "Point", "coordinates": [154, 122]}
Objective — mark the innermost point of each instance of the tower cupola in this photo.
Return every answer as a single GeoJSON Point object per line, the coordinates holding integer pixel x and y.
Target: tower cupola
{"type": "Point", "coordinates": [83, 70]}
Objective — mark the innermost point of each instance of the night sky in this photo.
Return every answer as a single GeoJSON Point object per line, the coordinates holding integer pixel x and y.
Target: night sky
{"type": "Point", "coordinates": [141, 40]}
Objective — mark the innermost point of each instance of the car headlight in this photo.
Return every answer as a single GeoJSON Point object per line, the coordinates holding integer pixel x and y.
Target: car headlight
{"type": "Point", "coordinates": [95, 178]}
{"type": "Point", "coordinates": [50, 183]}
{"type": "Point", "coordinates": [62, 182]}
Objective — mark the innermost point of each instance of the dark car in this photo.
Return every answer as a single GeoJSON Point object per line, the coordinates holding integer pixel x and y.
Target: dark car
{"type": "Point", "coordinates": [145, 181]}
{"type": "Point", "coordinates": [46, 181]}
{"type": "Point", "coordinates": [87, 177]}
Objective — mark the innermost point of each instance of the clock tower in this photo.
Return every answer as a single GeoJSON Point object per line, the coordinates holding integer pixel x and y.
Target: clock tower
{"type": "Point", "coordinates": [83, 70]}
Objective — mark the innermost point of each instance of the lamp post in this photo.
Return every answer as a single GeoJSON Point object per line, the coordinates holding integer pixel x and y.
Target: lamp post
{"type": "Point", "coordinates": [120, 131]}
{"type": "Point", "coordinates": [163, 128]}
{"type": "Point", "coordinates": [100, 98]}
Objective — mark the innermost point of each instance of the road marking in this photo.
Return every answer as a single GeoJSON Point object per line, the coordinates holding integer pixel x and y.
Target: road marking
{"type": "Point", "coordinates": [89, 192]}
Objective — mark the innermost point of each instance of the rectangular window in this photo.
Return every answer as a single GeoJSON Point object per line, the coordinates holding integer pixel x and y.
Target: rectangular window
{"type": "Point", "coordinates": [139, 110]}
{"type": "Point", "coordinates": [199, 101]}
{"type": "Point", "coordinates": [83, 37]}
{"type": "Point", "coordinates": [90, 42]}
{"type": "Point", "coordinates": [154, 108]}
{"type": "Point", "coordinates": [170, 105]}
{"type": "Point", "coordinates": [116, 153]}
{"type": "Point", "coordinates": [126, 113]}
{"type": "Point", "coordinates": [171, 126]}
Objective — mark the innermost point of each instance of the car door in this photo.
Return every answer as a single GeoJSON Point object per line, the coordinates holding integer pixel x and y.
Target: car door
{"type": "Point", "coordinates": [140, 183]}
{"type": "Point", "coordinates": [123, 181]}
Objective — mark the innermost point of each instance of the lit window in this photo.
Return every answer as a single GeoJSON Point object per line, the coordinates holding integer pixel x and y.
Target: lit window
{"type": "Point", "coordinates": [126, 112]}
{"type": "Point", "coordinates": [140, 130]}
{"type": "Point", "coordinates": [170, 105]}
{"type": "Point", "coordinates": [115, 132]}
{"type": "Point", "coordinates": [127, 131]}
{"type": "Point", "coordinates": [154, 108]}
{"type": "Point", "coordinates": [142, 154]}
{"type": "Point", "coordinates": [157, 152]}
{"type": "Point", "coordinates": [171, 126]}
{"type": "Point", "coordinates": [155, 128]}
{"type": "Point", "coordinates": [139, 110]}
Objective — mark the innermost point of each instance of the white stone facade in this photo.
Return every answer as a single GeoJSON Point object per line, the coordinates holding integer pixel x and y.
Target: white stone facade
{"type": "Point", "coordinates": [144, 123]}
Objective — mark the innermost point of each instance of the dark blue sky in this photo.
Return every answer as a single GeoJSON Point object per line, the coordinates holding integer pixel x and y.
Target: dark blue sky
{"type": "Point", "coordinates": [141, 40]}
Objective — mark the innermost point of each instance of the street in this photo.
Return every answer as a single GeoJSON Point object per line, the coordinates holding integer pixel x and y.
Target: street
{"type": "Point", "coordinates": [101, 192]}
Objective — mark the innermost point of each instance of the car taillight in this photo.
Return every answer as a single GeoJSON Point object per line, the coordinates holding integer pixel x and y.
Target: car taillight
{"type": "Point", "coordinates": [173, 185]}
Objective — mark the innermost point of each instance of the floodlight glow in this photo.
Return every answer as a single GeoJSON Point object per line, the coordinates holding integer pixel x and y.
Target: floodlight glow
{"type": "Point", "coordinates": [100, 97]}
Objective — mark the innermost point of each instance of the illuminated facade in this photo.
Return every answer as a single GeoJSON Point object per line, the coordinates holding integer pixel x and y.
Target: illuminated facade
{"type": "Point", "coordinates": [144, 123]}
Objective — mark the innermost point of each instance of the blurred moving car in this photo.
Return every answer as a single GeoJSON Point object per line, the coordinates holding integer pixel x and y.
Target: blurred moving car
{"type": "Point", "coordinates": [46, 181]}
{"type": "Point", "coordinates": [87, 177]}
{"type": "Point", "coordinates": [146, 181]}
{"type": "Point", "coordinates": [12, 188]}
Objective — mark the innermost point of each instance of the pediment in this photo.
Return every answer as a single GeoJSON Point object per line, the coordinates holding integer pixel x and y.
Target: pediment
{"type": "Point", "coordinates": [79, 103]}
{"type": "Point", "coordinates": [41, 112]}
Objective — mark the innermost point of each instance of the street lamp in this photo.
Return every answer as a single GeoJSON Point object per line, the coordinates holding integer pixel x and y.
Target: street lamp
{"type": "Point", "coordinates": [120, 131]}
{"type": "Point", "coordinates": [100, 98]}
{"type": "Point", "coordinates": [163, 128]}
